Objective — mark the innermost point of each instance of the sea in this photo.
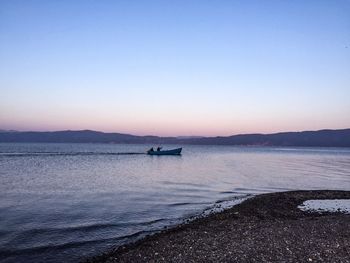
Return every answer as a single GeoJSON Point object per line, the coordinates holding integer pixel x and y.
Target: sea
{"type": "Point", "coordinates": [68, 202]}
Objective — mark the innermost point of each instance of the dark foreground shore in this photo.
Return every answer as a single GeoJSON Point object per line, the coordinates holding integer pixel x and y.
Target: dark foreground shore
{"type": "Point", "coordinates": [265, 228]}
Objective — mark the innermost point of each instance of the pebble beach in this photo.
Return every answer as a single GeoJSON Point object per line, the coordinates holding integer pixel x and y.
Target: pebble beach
{"type": "Point", "coordinates": [265, 228]}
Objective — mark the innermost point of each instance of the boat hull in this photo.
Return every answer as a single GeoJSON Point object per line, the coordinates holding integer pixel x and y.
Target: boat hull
{"type": "Point", "coordinates": [168, 152]}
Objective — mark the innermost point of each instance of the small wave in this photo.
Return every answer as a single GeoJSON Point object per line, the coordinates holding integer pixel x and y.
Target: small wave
{"type": "Point", "coordinates": [33, 250]}
{"type": "Point", "coordinates": [245, 191]}
{"type": "Point", "coordinates": [224, 204]}
{"type": "Point", "coordinates": [183, 184]}
{"type": "Point", "coordinates": [27, 154]}
{"type": "Point", "coordinates": [87, 228]}
{"type": "Point", "coordinates": [234, 198]}
{"type": "Point", "coordinates": [188, 203]}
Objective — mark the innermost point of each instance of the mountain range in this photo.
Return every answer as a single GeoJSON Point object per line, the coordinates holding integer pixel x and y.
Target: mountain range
{"type": "Point", "coordinates": [321, 138]}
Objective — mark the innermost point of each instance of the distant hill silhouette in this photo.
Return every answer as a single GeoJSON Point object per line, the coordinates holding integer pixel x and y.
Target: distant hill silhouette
{"type": "Point", "coordinates": [322, 138]}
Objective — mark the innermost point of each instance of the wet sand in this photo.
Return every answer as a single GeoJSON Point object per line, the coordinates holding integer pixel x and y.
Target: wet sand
{"type": "Point", "coordinates": [265, 228]}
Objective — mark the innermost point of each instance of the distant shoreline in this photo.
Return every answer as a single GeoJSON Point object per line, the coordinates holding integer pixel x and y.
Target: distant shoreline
{"type": "Point", "coordinates": [321, 138]}
{"type": "Point", "coordinates": [265, 228]}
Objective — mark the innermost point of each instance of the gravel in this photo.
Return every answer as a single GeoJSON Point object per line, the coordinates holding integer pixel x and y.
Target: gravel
{"type": "Point", "coordinates": [265, 228]}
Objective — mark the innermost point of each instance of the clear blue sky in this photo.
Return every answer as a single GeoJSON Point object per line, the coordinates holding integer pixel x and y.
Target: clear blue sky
{"type": "Point", "coordinates": [175, 67]}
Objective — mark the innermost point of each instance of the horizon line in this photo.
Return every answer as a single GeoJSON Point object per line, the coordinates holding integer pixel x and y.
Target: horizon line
{"type": "Point", "coordinates": [177, 136]}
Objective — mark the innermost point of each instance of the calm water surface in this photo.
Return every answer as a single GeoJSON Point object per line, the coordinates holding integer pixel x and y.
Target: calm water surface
{"type": "Point", "coordinates": [64, 202]}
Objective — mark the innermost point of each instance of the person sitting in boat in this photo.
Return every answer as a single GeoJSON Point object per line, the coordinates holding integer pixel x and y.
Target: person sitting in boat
{"type": "Point", "coordinates": [151, 150]}
{"type": "Point", "coordinates": [159, 148]}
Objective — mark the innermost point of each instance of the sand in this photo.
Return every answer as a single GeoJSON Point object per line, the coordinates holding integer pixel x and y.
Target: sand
{"type": "Point", "coordinates": [265, 228]}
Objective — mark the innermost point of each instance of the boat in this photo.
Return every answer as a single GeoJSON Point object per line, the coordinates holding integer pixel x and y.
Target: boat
{"type": "Point", "coordinates": [166, 152]}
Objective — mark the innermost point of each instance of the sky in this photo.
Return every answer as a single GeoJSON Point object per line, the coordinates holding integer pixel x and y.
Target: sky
{"type": "Point", "coordinates": [175, 68]}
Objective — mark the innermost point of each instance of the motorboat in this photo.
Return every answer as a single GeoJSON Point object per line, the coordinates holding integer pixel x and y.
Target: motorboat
{"type": "Point", "coordinates": [176, 151]}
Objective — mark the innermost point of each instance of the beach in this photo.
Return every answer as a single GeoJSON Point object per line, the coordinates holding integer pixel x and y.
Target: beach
{"type": "Point", "coordinates": [264, 228]}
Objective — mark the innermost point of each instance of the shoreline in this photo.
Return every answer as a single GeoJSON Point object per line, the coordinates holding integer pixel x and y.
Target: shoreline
{"type": "Point", "coordinates": [264, 228]}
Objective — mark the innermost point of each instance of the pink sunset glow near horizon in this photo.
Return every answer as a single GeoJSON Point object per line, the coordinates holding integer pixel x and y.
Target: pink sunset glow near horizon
{"type": "Point", "coordinates": [182, 129]}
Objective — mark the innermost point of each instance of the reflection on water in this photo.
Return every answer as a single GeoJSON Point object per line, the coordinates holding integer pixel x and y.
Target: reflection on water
{"type": "Point", "coordinates": [62, 202]}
